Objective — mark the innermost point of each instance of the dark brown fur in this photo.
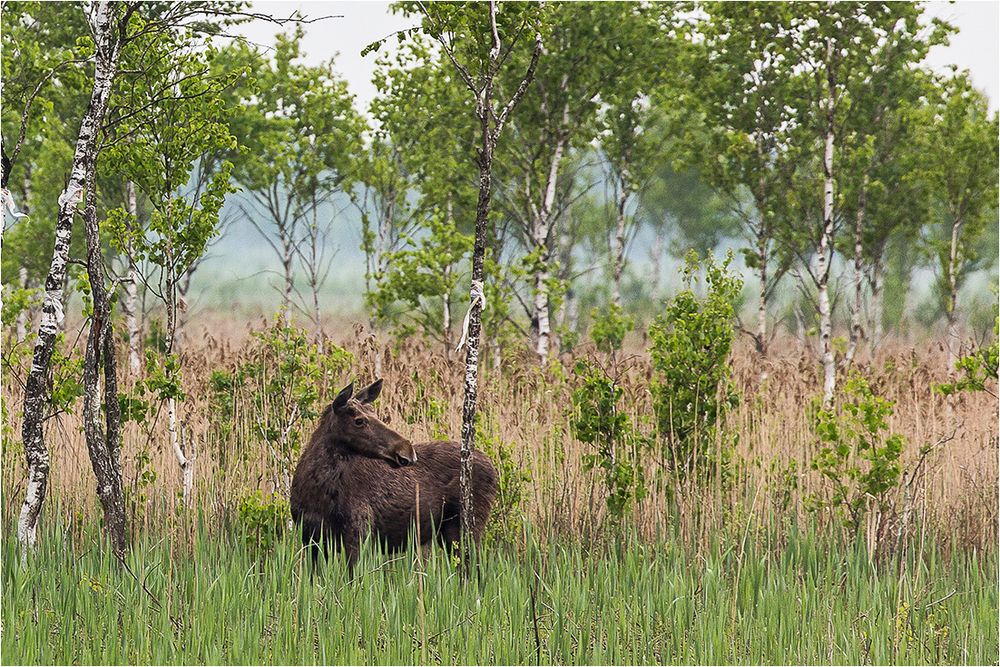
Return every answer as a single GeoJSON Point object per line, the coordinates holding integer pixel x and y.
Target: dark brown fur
{"type": "Point", "coordinates": [357, 479]}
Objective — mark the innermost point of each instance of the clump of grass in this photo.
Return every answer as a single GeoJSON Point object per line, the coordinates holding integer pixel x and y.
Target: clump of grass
{"type": "Point", "coordinates": [739, 601]}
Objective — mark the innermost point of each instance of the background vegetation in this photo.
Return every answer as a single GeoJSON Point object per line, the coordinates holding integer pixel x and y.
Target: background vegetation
{"type": "Point", "coordinates": [773, 439]}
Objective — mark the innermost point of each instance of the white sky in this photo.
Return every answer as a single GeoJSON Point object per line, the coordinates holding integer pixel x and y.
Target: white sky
{"type": "Point", "coordinates": [975, 47]}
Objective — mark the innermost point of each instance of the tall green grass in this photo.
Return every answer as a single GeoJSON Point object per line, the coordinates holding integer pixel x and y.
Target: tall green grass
{"type": "Point", "coordinates": [221, 601]}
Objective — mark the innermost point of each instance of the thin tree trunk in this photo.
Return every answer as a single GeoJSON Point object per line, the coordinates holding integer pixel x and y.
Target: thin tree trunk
{"type": "Point", "coordinates": [540, 233]}
{"type": "Point", "coordinates": [951, 309]}
{"type": "Point", "coordinates": [488, 137]}
{"type": "Point", "coordinates": [36, 390]}
{"type": "Point", "coordinates": [762, 297]}
{"type": "Point", "coordinates": [22, 317]}
{"type": "Point", "coordinates": [857, 301]}
{"type": "Point", "coordinates": [826, 244]}
{"type": "Point", "coordinates": [184, 461]}
{"type": "Point", "coordinates": [476, 294]}
{"type": "Point", "coordinates": [103, 442]}
{"type": "Point", "coordinates": [131, 302]}
{"type": "Point", "coordinates": [875, 306]}
{"type": "Point", "coordinates": [287, 256]}
{"type": "Point", "coordinates": [446, 316]}
{"type": "Point", "coordinates": [618, 261]}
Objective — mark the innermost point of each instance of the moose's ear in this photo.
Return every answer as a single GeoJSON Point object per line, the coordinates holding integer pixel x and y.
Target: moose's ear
{"type": "Point", "coordinates": [371, 392]}
{"type": "Point", "coordinates": [341, 400]}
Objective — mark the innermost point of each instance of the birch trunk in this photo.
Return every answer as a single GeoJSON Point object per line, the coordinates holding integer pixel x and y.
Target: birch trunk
{"type": "Point", "coordinates": [488, 138]}
{"type": "Point", "coordinates": [21, 323]}
{"type": "Point", "coordinates": [857, 284]}
{"type": "Point", "coordinates": [36, 390]}
{"type": "Point", "coordinates": [541, 230]}
{"type": "Point", "coordinates": [184, 460]}
{"type": "Point", "coordinates": [287, 257]}
{"type": "Point", "coordinates": [446, 316]}
{"type": "Point", "coordinates": [826, 243]}
{"type": "Point", "coordinates": [131, 301]}
{"type": "Point", "coordinates": [762, 297]}
{"type": "Point", "coordinates": [103, 441]}
{"type": "Point", "coordinates": [618, 261]}
{"type": "Point", "coordinates": [475, 326]}
{"type": "Point", "coordinates": [22, 317]}
{"type": "Point", "coordinates": [953, 342]}
{"type": "Point", "coordinates": [876, 307]}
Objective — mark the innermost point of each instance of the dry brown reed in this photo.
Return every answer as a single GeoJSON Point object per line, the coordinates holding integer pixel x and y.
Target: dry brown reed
{"type": "Point", "coordinates": [528, 408]}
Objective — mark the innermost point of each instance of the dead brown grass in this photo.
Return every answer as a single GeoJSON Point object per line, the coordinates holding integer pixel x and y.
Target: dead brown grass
{"type": "Point", "coordinates": [528, 408]}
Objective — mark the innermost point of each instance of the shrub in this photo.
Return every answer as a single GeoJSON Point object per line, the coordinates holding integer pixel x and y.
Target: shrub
{"type": "Point", "coordinates": [598, 421]}
{"type": "Point", "coordinates": [858, 458]}
{"type": "Point", "coordinates": [690, 346]}
{"type": "Point", "coordinates": [507, 515]}
{"type": "Point", "coordinates": [976, 369]}
{"type": "Point", "coordinates": [283, 378]}
{"type": "Point", "coordinates": [610, 327]}
{"type": "Point", "coordinates": [263, 519]}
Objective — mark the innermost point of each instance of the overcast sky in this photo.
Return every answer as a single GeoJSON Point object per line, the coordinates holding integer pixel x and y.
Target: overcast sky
{"type": "Point", "coordinates": [976, 47]}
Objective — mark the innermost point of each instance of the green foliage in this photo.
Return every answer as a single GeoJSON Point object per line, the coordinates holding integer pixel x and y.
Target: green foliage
{"type": "Point", "coordinates": [976, 370]}
{"type": "Point", "coordinates": [17, 300]}
{"type": "Point", "coordinates": [427, 408]}
{"type": "Point", "coordinates": [284, 375]}
{"type": "Point", "coordinates": [67, 376]}
{"type": "Point", "coordinates": [508, 515]}
{"type": "Point", "coordinates": [263, 519]}
{"type": "Point", "coordinates": [857, 458]}
{"type": "Point", "coordinates": [598, 420]}
{"type": "Point", "coordinates": [609, 327]}
{"type": "Point", "coordinates": [420, 275]}
{"type": "Point", "coordinates": [690, 346]}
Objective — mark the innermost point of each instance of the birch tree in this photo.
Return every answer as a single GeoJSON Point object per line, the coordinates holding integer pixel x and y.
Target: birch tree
{"type": "Point", "coordinates": [479, 41]}
{"type": "Point", "coordinates": [300, 131]}
{"type": "Point", "coordinates": [833, 44]}
{"type": "Point", "coordinates": [589, 47]}
{"type": "Point", "coordinates": [958, 140]}
{"type": "Point", "coordinates": [182, 122]}
{"type": "Point", "coordinates": [740, 91]}
{"type": "Point", "coordinates": [107, 23]}
{"type": "Point", "coordinates": [877, 125]}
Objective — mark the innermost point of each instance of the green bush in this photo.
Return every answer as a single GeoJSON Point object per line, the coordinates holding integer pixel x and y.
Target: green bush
{"type": "Point", "coordinates": [507, 515]}
{"type": "Point", "coordinates": [598, 421]}
{"type": "Point", "coordinates": [690, 346]}
{"type": "Point", "coordinates": [263, 519]}
{"type": "Point", "coordinates": [609, 327]}
{"type": "Point", "coordinates": [284, 377]}
{"type": "Point", "coordinates": [858, 458]}
{"type": "Point", "coordinates": [976, 369]}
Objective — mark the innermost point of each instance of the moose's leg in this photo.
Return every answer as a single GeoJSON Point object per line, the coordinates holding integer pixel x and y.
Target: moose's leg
{"type": "Point", "coordinates": [449, 530]}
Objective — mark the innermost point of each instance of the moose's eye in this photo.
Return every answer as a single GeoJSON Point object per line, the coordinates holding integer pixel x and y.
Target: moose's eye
{"type": "Point", "coordinates": [359, 421]}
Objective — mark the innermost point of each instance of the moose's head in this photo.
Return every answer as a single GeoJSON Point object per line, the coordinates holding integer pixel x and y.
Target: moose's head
{"type": "Point", "coordinates": [353, 426]}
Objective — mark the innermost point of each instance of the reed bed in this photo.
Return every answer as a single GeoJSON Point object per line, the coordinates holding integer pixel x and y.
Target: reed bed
{"type": "Point", "coordinates": [526, 412]}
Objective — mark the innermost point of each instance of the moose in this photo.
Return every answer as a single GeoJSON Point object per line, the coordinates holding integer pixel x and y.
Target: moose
{"type": "Point", "coordinates": [358, 478]}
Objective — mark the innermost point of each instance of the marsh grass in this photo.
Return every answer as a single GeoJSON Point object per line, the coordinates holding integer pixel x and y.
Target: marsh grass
{"type": "Point", "coordinates": [739, 601]}
{"type": "Point", "coordinates": [734, 571]}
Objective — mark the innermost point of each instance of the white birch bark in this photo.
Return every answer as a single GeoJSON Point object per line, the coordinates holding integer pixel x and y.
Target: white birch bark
{"type": "Point", "coordinates": [619, 252]}
{"type": "Point", "coordinates": [52, 318]}
{"type": "Point", "coordinates": [951, 309]}
{"type": "Point", "coordinates": [541, 230]}
{"type": "Point", "coordinates": [825, 247]}
{"type": "Point", "coordinates": [22, 317]}
{"type": "Point", "coordinates": [131, 300]}
{"type": "Point", "coordinates": [857, 280]}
